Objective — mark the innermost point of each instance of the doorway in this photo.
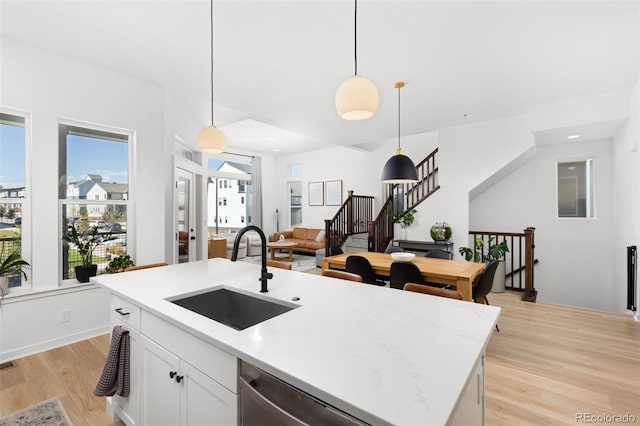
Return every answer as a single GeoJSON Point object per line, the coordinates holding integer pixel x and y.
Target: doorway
{"type": "Point", "coordinates": [185, 225]}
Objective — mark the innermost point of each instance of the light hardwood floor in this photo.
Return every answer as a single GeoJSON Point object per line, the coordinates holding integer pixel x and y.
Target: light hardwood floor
{"type": "Point", "coordinates": [547, 363]}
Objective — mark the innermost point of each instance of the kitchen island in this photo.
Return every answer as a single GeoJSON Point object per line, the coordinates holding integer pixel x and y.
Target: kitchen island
{"type": "Point", "coordinates": [382, 355]}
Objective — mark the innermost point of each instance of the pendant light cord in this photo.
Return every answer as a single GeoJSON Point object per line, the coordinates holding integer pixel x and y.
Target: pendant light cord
{"type": "Point", "coordinates": [211, 45]}
{"type": "Point", "coordinates": [355, 38]}
{"type": "Point", "coordinates": [399, 149]}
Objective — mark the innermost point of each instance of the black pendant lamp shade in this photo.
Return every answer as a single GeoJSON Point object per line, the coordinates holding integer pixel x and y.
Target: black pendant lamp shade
{"type": "Point", "coordinates": [399, 168]}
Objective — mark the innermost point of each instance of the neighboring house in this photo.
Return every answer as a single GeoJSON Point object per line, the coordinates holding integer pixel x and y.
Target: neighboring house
{"type": "Point", "coordinates": [78, 190]}
{"type": "Point", "coordinates": [229, 207]}
{"type": "Point", "coordinates": [105, 191]}
{"type": "Point", "coordinates": [12, 193]}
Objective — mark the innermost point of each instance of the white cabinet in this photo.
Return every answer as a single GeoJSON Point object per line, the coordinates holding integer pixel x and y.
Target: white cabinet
{"type": "Point", "coordinates": [177, 392]}
{"type": "Point", "coordinates": [127, 315]}
{"type": "Point", "coordinates": [470, 410]}
{"type": "Point", "coordinates": [175, 377]}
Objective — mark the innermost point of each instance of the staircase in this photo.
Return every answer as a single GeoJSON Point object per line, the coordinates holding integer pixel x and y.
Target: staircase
{"type": "Point", "coordinates": [352, 218]}
{"type": "Point", "coordinates": [400, 198]}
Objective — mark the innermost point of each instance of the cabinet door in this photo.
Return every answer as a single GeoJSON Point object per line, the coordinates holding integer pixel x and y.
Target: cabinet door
{"type": "Point", "coordinates": [160, 390]}
{"type": "Point", "coordinates": [470, 409]}
{"type": "Point", "coordinates": [128, 409]}
{"type": "Point", "coordinates": [204, 401]}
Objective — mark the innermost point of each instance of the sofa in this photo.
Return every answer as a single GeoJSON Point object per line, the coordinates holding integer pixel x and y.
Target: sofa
{"type": "Point", "coordinates": [308, 239]}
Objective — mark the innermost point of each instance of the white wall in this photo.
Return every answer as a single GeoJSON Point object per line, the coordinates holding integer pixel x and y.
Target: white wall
{"type": "Point", "coordinates": [626, 199]}
{"type": "Point", "coordinates": [52, 87]}
{"type": "Point", "coordinates": [575, 254]}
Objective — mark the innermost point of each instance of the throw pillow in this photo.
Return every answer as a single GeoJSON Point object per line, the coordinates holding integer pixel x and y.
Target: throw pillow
{"type": "Point", "coordinates": [320, 236]}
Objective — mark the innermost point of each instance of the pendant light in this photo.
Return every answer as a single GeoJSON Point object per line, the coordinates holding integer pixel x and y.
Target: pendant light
{"type": "Point", "coordinates": [399, 168]}
{"type": "Point", "coordinates": [357, 97]}
{"type": "Point", "coordinates": [211, 139]}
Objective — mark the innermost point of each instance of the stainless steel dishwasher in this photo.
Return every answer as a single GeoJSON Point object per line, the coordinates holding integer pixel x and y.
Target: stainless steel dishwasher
{"type": "Point", "coordinates": [267, 400]}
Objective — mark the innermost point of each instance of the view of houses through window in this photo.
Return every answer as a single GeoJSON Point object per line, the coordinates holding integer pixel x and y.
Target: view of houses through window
{"type": "Point", "coordinates": [94, 194]}
{"type": "Point", "coordinates": [229, 195]}
{"type": "Point", "coordinates": [13, 189]}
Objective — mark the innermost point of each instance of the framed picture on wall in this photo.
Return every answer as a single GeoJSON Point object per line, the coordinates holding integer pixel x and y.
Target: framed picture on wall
{"type": "Point", "coordinates": [316, 193]}
{"type": "Point", "coordinates": [333, 192]}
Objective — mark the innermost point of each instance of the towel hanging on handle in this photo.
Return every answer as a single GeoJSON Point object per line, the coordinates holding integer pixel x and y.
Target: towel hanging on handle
{"type": "Point", "coordinates": [115, 375]}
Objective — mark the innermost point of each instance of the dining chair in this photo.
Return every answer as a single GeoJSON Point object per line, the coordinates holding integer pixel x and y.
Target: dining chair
{"type": "Point", "coordinates": [438, 254]}
{"type": "Point", "coordinates": [343, 275]}
{"type": "Point", "coordinates": [434, 291]}
{"type": "Point", "coordinates": [402, 273]}
{"type": "Point", "coordinates": [361, 266]}
{"type": "Point", "coordinates": [335, 250]}
{"type": "Point", "coordinates": [279, 264]}
{"type": "Point", "coordinates": [145, 266]}
{"type": "Point", "coordinates": [485, 282]}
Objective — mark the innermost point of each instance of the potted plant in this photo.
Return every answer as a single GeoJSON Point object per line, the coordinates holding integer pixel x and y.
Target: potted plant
{"type": "Point", "coordinates": [404, 218]}
{"type": "Point", "coordinates": [85, 243]}
{"type": "Point", "coordinates": [9, 266]}
{"type": "Point", "coordinates": [119, 263]}
{"type": "Point", "coordinates": [493, 252]}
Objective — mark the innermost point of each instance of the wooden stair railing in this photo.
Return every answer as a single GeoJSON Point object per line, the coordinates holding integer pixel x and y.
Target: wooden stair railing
{"type": "Point", "coordinates": [403, 197]}
{"type": "Point", "coordinates": [520, 258]}
{"type": "Point", "coordinates": [352, 218]}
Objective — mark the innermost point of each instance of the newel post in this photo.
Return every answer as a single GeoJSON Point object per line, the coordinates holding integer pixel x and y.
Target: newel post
{"type": "Point", "coordinates": [327, 236]}
{"type": "Point", "coordinates": [530, 292]}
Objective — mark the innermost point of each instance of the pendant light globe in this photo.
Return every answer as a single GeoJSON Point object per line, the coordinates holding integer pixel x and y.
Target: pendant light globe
{"type": "Point", "coordinates": [357, 98]}
{"type": "Point", "coordinates": [212, 140]}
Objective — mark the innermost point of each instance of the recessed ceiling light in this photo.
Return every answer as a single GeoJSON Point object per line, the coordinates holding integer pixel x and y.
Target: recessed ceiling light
{"type": "Point", "coordinates": [572, 168]}
{"type": "Point", "coordinates": [573, 136]}
{"type": "Point", "coordinates": [276, 150]}
{"type": "Point", "coordinates": [271, 138]}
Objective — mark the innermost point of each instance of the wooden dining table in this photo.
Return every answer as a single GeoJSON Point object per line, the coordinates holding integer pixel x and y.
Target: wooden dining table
{"type": "Point", "coordinates": [443, 271]}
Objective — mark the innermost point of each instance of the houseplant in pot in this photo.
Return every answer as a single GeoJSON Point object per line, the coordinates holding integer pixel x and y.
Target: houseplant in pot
{"type": "Point", "coordinates": [405, 218]}
{"type": "Point", "coordinates": [85, 242]}
{"type": "Point", "coordinates": [494, 251]}
{"type": "Point", "coordinates": [11, 265]}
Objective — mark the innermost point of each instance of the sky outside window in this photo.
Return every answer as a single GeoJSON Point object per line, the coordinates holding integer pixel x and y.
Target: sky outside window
{"type": "Point", "coordinates": [86, 155]}
{"type": "Point", "coordinates": [12, 160]}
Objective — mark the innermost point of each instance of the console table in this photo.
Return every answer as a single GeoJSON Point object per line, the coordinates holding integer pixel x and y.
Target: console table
{"type": "Point", "coordinates": [425, 246]}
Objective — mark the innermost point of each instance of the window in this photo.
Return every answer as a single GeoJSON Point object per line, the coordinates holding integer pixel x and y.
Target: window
{"type": "Point", "coordinates": [13, 190]}
{"type": "Point", "coordinates": [93, 191]}
{"type": "Point", "coordinates": [295, 170]}
{"type": "Point", "coordinates": [232, 205]}
{"type": "Point", "coordinates": [575, 189]}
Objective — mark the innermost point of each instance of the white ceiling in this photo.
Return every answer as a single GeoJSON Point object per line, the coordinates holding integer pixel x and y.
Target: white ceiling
{"type": "Point", "coordinates": [279, 63]}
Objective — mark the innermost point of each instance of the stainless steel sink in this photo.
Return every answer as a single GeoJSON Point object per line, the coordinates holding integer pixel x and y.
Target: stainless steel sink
{"type": "Point", "coordinates": [236, 310]}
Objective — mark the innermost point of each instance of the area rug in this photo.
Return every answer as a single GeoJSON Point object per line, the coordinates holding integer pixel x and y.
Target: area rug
{"type": "Point", "coordinates": [45, 413]}
{"type": "Point", "coordinates": [300, 262]}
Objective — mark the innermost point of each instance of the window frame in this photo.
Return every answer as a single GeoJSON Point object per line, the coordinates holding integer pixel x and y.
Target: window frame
{"type": "Point", "coordinates": [26, 236]}
{"type": "Point", "coordinates": [129, 202]}
{"type": "Point", "coordinates": [590, 187]}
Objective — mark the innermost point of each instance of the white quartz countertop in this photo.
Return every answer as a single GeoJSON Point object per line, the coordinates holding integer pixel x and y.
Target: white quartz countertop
{"type": "Point", "coordinates": [383, 355]}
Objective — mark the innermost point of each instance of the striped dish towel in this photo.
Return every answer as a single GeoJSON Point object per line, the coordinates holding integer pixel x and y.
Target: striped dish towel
{"type": "Point", "coordinates": [115, 375]}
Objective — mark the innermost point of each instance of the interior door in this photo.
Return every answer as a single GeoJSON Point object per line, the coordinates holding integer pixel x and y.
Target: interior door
{"type": "Point", "coordinates": [185, 228]}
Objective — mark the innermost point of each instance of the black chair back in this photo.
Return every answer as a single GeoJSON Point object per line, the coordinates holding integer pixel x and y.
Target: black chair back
{"type": "Point", "coordinates": [437, 253]}
{"type": "Point", "coordinates": [361, 266]}
{"type": "Point", "coordinates": [335, 250]}
{"type": "Point", "coordinates": [486, 280]}
{"type": "Point", "coordinates": [402, 273]}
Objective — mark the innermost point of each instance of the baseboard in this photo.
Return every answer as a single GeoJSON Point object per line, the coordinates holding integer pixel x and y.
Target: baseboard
{"type": "Point", "coordinates": [53, 344]}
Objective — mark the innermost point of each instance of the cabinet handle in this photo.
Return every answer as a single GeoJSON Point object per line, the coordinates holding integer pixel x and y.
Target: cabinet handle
{"type": "Point", "coordinates": [172, 374]}
{"type": "Point", "coordinates": [179, 378]}
{"type": "Point", "coordinates": [119, 310]}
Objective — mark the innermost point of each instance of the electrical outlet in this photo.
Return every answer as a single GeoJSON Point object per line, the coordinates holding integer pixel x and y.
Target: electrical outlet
{"type": "Point", "coordinates": [65, 316]}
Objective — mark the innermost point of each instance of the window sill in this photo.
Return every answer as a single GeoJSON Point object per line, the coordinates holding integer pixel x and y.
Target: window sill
{"type": "Point", "coordinates": [70, 286]}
